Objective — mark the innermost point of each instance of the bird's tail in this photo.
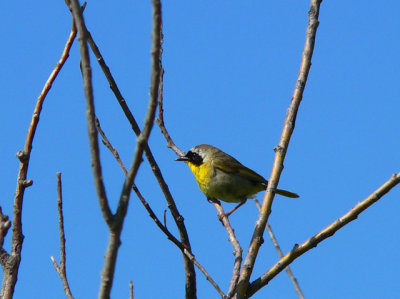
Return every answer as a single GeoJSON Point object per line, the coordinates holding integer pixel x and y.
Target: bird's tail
{"type": "Point", "coordinates": [287, 193]}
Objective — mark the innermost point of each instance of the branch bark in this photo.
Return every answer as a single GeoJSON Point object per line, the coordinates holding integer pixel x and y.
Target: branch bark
{"type": "Point", "coordinates": [11, 262]}
{"type": "Point", "coordinates": [190, 274]}
{"type": "Point", "coordinates": [280, 150]}
{"type": "Point", "coordinates": [61, 269]}
{"type": "Point", "coordinates": [237, 249]}
{"type": "Point", "coordinates": [327, 232]}
{"type": "Point", "coordinates": [163, 227]}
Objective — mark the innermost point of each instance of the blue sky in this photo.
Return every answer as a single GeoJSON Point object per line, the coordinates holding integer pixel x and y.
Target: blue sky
{"type": "Point", "coordinates": [230, 69]}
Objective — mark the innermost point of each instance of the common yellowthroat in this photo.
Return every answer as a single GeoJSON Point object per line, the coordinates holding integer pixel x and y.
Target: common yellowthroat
{"type": "Point", "coordinates": [220, 176]}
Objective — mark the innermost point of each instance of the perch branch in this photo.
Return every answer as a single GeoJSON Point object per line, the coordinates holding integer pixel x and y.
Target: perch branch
{"type": "Point", "coordinates": [186, 251]}
{"type": "Point", "coordinates": [327, 232]}
{"type": "Point", "coordinates": [179, 221]}
{"type": "Point", "coordinates": [281, 149]}
{"type": "Point", "coordinates": [237, 249]}
{"type": "Point", "coordinates": [61, 269]}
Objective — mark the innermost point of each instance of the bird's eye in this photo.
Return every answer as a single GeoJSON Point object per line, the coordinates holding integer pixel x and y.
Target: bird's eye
{"type": "Point", "coordinates": [195, 158]}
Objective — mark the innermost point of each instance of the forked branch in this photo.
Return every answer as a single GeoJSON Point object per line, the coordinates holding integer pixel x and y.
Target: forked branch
{"type": "Point", "coordinates": [327, 232]}
{"type": "Point", "coordinates": [281, 149]}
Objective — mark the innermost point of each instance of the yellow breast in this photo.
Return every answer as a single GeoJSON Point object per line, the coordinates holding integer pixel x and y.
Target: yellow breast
{"type": "Point", "coordinates": [203, 174]}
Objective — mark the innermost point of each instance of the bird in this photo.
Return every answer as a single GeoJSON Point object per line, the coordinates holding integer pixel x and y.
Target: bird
{"type": "Point", "coordinates": [221, 176]}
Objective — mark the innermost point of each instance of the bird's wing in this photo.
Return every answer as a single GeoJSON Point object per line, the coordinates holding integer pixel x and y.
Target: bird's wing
{"type": "Point", "coordinates": [229, 164]}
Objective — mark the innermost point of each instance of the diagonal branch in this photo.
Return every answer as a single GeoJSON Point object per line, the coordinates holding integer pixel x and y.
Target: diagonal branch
{"type": "Point", "coordinates": [151, 110]}
{"type": "Point", "coordinates": [160, 121]}
{"type": "Point", "coordinates": [327, 232]}
{"type": "Point", "coordinates": [186, 251]}
{"type": "Point", "coordinates": [10, 272]}
{"type": "Point", "coordinates": [179, 220]}
{"type": "Point", "coordinates": [116, 228]}
{"type": "Point", "coordinates": [90, 113]}
{"type": "Point", "coordinates": [237, 249]}
{"type": "Point", "coordinates": [281, 149]}
{"type": "Point", "coordinates": [278, 249]}
{"type": "Point", "coordinates": [61, 269]}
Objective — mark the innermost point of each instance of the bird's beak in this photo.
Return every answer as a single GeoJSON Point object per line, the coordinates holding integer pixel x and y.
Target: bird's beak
{"type": "Point", "coordinates": [184, 158]}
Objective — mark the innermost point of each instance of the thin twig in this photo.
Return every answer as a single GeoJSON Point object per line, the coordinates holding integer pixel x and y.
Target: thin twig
{"type": "Point", "coordinates": [163, 227]}
{"type": "Point", "coordinates": [327, 232]}
{"type": "Point", "coordinates": [190, 274]}
{"type": "Point", "coordinates": [61, 270]}
{"type": "Point", "coordinates": [131, 290]}
{"type": "Point", "coordinates": [107, 143]}
{"type": "Point", "coordinates": [203, 270]}
{"type": "Point", "coordinates": [237, 249]}
{"type": "Point", "coordinates": [160, 120]}
{"type": "Point", "coordinates": [10, 272]}
{"type": "Point", "coordinates": [278, 249]}
{"type": "Point", "coordinates": [281, 149]}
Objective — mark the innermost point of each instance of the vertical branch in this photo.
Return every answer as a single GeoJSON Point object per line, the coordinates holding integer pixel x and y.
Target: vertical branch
{"type": "Point", "coordinates": [131, 290]}
{"type": "Point", "coordinates": [281, 149]}
{"type": "Point", "coordinates": [61, 270]}
{"type": "Point", "coordinates": [10, 272]}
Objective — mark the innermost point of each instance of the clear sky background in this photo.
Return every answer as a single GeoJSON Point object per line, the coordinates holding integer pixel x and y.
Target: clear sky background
{"type": "Point", "coordinates": [230, 70]}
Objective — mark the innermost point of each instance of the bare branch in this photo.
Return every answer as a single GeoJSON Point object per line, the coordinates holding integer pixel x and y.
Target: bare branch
{"type": "Point", "coordinates": [163, 227]}
{"type": "Point", "coordinates": [107, 143]}
{"type": "Point", "coordinates": [61, 270]}
{"type": "Point", "coordinates": [11, 271]}
{"type": "Point", "coordinates": [179, 220]}
{"type": "Point", "coordinates": [237, 249]}
{"type": "Point", "coordinates": [327, 232]}
{"type": "Point", "coordinates": [116, 228]}
{"type": "Point", "coordinates": [203, 270]}
{"type": "Point", "coordinates": [281, 149]}
{"type": "Point", "coordinates": [278, 249]}
{"type": "Point", "coordinates": [160, 120]}
{"type": "Point", "coordinates": [90, 113]}
{"type": "Point", "coordinates": [131, 290]}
